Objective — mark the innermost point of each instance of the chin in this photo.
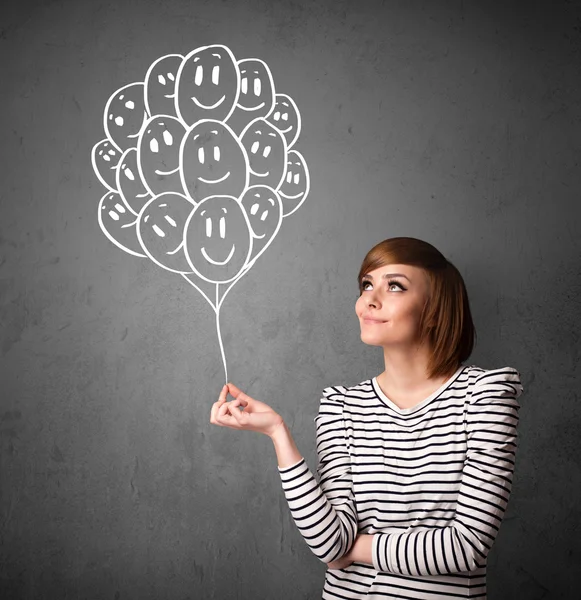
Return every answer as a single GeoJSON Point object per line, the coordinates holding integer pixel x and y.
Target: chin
{"type": "Point", "coordinates": [370, 341]}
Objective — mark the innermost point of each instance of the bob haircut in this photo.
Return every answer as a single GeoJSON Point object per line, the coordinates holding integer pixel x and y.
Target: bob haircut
{"type": "Point", "coordinates": [445, 322]}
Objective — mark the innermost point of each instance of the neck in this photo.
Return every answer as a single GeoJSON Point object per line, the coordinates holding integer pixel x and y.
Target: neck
{"type": "Point", "coordinates": [406, 370]}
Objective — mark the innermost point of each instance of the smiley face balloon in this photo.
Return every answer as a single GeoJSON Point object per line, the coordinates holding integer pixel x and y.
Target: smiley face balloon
{"type": "Point", "coordinates": [124, 115]}
{"type": "Point", "coordinates": [212, 161]}
{"type": "Point", "coordinates": [256, 97]}
{"type": "Point", "coordinates": [129, 182]}
{"type": "Point", "coordinates": [286, 118]}
{"type": "Point", "coordinates": [158, 154]}
{"type": "Point", "coordinates": [207, 86]}
{"type": "Point", "coordinates": [218, 239]}
{"type": "Point", "coordinates": [118, 223]}
{"type": "Point", "coordinates": [295, 187]}
{"type": "Point", "coordinates": [264, 209]}
{"type": "Point", "coordinates": [160, 85]}
{"type": "Point", "coordinates": [267, 154]}
{"type": "Point", "coordinates": [160, 229]}
{"type": "Point", "coordinates": [105, 158]}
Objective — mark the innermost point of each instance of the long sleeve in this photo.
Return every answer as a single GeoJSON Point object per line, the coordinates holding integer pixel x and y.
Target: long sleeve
{"type": "Point", "coordinates": [491, 420]}
{"type": "Point", "coordinates": [324, 512]}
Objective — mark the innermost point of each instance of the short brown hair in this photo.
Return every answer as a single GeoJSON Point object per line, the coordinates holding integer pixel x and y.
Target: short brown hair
{"type": "Point", "coordinates": [446, 321]}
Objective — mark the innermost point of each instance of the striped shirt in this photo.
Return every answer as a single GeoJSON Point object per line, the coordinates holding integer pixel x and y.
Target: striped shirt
{"type": "Point", "coordinates": [431, 482]}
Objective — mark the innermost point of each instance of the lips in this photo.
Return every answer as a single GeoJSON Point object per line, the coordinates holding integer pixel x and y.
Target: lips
{"type": "Point", "coordinates": [371, 320]}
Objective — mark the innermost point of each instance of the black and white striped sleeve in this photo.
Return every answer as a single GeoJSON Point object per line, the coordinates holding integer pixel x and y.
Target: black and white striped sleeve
{"type": "Point", "coordinates": [491, 419]}
{"type": "Point", "coordinates": [324, 512]}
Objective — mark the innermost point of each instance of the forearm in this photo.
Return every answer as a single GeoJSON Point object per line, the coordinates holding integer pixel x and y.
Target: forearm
{"type": "Point", "coordinates": [361, 550]}
{"type": "Point", "coordinates": [287, 452]}
{"type": "Point", "coordinates": [329, 530]}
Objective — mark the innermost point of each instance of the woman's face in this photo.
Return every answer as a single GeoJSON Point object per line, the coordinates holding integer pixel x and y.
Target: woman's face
{"type": "Point", "coordinates": [394, 295]}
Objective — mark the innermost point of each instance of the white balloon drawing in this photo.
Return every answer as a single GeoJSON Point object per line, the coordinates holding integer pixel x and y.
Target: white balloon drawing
{"type": "Point", "coordinates": [200, 168]}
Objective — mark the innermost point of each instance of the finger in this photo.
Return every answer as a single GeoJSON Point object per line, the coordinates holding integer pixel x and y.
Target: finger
{"type": "Point", "coordinates": [234, 412]}
{"type": "Point", "coordinates": [216, 405]}
{"type": "Point", "coordinates": [242, 418]}
{"type": "Point", "coordinates": [228, 415]}
{"type": "Point", "coordinates": [223, 394]}
{"type": "Point", "coordinates": [223, 410]}
{"type": "Point", "coordinates": [239, 394]}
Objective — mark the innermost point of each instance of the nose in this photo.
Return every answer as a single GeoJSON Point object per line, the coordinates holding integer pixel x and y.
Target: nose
{"type": "Point", "coordinates": [372, 303]}
{"type": "Point", "coordinates": [372, 299]}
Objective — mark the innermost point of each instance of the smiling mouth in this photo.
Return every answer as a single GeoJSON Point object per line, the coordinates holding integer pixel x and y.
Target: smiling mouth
{"type": "Point", "coordinates": [259, 174]}
{"type": "Point", "coordinates": [253, 107]}
{"type": "Point", "coordinates": [216, 262]}
{"type": "Point", "coordinates": [214, 180]}
{"type": "Point", "coordinates": [158, 172]}
{"type": "Point", "coordinates": [291, 197]}
{"type": "Point", "coordinates": [176, 250]}
{"type": "Point", "coordinates": [210, 106]}
{"type": "Point", "coordinates": [286, 130]}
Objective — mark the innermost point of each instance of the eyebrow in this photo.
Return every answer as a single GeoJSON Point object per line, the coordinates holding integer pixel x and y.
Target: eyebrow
{"type": "Point", "coordinates": [386, 275]}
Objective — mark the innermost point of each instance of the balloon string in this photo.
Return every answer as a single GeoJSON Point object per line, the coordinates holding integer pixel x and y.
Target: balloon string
{"type": "Point", "coordinates": [242, 273]}
{"type": "Point", "coordinates": [199, 290]}
{"type": "Point", "coordinates": [216, 307]}
{"type": "Point", "coordinates": [220, 336]}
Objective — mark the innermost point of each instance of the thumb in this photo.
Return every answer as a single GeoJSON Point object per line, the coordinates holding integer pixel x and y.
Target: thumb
{"type": "Point", "coordinates": [239, 394]}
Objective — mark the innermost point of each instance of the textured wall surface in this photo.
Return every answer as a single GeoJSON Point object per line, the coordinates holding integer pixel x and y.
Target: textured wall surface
{"type": "Point", "coordinates": [454, 122]}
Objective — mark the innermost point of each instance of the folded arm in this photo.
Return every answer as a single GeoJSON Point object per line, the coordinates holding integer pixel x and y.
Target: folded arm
{"type": "Point", "coordinates": [491, 423]}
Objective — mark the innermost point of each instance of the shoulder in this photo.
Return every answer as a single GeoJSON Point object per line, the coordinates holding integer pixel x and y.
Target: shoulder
{"type": "Point", "coordinates": [335, 393]}
{"type": "Point", "coordinates": [334, 398]}
{"type": "Point", "coordinates": [502, 381]}
{"type": "Point", "coordinates": [493, 393]}
{"type": "Point", "coordinates": [331, 401]}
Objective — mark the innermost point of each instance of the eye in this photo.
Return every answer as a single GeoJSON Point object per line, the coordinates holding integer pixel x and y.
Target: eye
{"type": "Point", "coordinates": [199, 75]}
{"type": "Point", "coordinates": [390, 283]}
{"type": "Point", "coordinates": [393, 282]}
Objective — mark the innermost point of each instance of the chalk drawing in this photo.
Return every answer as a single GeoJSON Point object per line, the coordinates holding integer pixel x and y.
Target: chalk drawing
{"type": "Point", "coordinates": [200, 168]}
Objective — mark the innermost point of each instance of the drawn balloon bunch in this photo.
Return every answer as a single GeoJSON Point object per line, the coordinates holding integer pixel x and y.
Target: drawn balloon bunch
{"type": "Point", "coordinates": [200, 166]}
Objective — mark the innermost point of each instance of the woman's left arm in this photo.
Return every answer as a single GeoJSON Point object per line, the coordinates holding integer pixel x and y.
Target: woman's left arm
{"type": "Point", "coordinates": [491, 422]}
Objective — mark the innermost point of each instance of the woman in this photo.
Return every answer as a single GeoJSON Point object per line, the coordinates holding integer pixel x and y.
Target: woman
{"type": "Point", "coordinates": [415, 465]}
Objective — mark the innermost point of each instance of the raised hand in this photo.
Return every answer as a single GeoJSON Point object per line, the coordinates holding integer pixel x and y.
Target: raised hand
{"type": "Point", "coordinates": [254, 416]}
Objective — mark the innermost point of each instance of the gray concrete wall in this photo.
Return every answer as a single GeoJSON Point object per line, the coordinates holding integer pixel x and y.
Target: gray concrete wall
{"type": "Point", "coordinates": [454, 122]}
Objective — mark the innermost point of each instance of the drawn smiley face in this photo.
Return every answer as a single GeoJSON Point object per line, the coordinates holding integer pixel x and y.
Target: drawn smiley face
{"type": "Point", "coordinates": [264, 209]}
{"type": "Point", "coordinates": [217, 239]}
{"type": "Point", "coordinates": [256, 97]}
{"type": "Point", "coordinates": [105, 158]}
{"type": "Point", "coordinates": [160, 229]}
{"type": "Point", "coordinates": [160, 85]}
{"type": "Point", "coordinates": [125, 115]}
{"type": "Point", "coordinates": [119, 224]}
{"type": "Point", "coordinates": [158, 154]}
{"type": "Point", "coordinates": [267, 154]}
{"type": "Point", "coordinates": [286, 118]}
{"type": "Point", "coordinates": [212, 161]}
{"type": "Point", "coordinates": [129, 183]}
{"type": "Point", "coordinates": [256, 85]}
{"type": "Point", "coordinates": [207, 85]}
{"type": "Point", "coordinates": [295, 187]}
